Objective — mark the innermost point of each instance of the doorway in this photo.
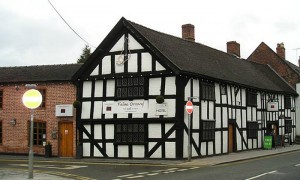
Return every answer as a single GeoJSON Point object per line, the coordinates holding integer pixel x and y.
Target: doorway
{"type": "Point", "coordinates": [66, 139]}
{"type": "Point", "coordinates": [231, 138]}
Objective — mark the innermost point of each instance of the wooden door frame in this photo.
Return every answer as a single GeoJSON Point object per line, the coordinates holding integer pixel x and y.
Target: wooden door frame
{"type": "Point", "coordinates": [59, 136]}
{"type": "Point", "coordinates": [233, 123]}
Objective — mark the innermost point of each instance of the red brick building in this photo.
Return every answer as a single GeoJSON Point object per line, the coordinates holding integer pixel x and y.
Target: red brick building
{"type": "Point", "coordinates": [263, 54]}
{"type": "Point", "coordinates": [54, 120]}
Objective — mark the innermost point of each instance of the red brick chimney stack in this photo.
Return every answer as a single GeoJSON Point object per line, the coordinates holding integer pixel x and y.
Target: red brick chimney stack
{"type": "Point", "coordinates": [188, 32]}
{"type": "Point", "coordinates": [280, 50]}
{"type": "Point", "coordinates": [233, 48]}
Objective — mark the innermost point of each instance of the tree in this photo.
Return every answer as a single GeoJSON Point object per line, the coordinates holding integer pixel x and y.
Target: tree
{"type": "Point", "coordinates": [86, 52]}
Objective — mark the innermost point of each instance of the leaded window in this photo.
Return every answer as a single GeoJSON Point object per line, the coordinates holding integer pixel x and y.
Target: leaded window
{"type": "Point", "coordinates": [208, 91]}
{"type": "Point", "coordinates": [287, 102]}
{"type": "Point", "coordinates": [251, 99]}
{"type": "Point", "coordinates": [130, 133]}
{"type": "Point", "coordinates": [208, 130]}
{"type": "Point", "coordinates": [130, 87]}
{"type": "Point", "coordinates": [252, 129]}
{"type": "Point", "coordinates": [288, 126]}
{"type": "Point", "coordinates": [39, 132]}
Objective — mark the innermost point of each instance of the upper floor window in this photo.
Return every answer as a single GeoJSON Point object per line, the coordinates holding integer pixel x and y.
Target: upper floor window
{"type": "Point", "coordinates": [1, 99]}
{"type": "Point", "coordinates": [251, 99]}
{"type": "Point", "coordinates": [43, 93]}
{"type": "Point", "coordinates": [223, 89]}
{"type": "Point", "coordinates": [130, 87]}
{"type": "Point", "coordinates": [208, 91]}
{"type": "Point", "coordinates": [287, 102]}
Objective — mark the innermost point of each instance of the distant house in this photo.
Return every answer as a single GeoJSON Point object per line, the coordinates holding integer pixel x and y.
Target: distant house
{"type": "Point", "coordinates": [263, 54]}
{"type": "Point", "coordinates": [54, 120]}
{"type": "Point", "coordinates": [134, 87]}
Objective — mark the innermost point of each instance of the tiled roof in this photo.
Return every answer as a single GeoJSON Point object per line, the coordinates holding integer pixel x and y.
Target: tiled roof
{"type": "Point", "coordinates": [43, 73]}
{"type": "Point", "coordinates": [196, 58]}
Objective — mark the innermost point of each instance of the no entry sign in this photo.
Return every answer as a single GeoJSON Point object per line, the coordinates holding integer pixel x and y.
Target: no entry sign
{"type": "Point", "coordinates": [189, 107]}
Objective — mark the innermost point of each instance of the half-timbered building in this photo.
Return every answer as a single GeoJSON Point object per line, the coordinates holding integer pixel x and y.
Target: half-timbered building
{"type": "Point", "coordinates": [134, 87]}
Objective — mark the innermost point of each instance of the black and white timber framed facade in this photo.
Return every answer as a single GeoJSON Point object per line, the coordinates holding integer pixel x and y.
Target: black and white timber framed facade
{"type": "Point", "coordinates": [239, 101]}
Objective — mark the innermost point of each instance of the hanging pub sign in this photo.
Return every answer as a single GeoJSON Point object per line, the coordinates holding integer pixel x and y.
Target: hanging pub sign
{"type": "Point", "coordinates": [272, 106]}
{"type": "Point", "coordinates": [115, 107]}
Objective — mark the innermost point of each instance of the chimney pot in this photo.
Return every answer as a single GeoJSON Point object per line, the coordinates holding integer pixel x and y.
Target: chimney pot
{"type": "Point", "coordinates": [233, 48]}
{"type": "Point", "coordinates": [188, 32]}
{"type": "Point", "coordinates": [280, 50]}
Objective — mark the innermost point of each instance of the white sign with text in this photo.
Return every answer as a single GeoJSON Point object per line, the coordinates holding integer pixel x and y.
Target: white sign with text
{"type": "Point", "coordinates": [135, 106]}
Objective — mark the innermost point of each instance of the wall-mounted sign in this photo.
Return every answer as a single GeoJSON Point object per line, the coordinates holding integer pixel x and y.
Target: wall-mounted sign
{"type": "Point", "coordinates": [161, 109]}
{"type": "Point", "coordinates": [272, 106]}
{"type": "Point", "coordinates": [64, 110]}
{"type": "Point", "coordinates": [136, 106]}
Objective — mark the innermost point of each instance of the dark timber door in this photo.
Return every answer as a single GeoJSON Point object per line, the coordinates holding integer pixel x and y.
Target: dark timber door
{"type": "Point", "coordinates": [230, 138]}
{"type": "Point", "coordinates": [66, 139]}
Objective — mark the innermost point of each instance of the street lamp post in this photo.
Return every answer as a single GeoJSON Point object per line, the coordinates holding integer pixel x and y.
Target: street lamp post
{"type": "Point", "coordinates": [31, 99]}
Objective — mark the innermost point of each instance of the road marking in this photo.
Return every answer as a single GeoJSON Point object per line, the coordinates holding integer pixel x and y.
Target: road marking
{"type": "Point", "coordinates": [67, 167]}
{"type": "Point", "coordinates": [143, 173]}
{"type": "Point", "coordinates": [127, 175]}
{"type": "Point", "coordinates": [153, 174]}
{"type": "Point", "coordinates": [134, 177]}
{"type": "Point", "coordinates": [180, 170]}
{"type": "Point", "coordinates": [261, 175]}
{"type": "Point", "coordinates": [297, 165]}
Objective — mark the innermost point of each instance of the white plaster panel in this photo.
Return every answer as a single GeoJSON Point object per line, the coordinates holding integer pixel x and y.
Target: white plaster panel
{"type": "Point", "coordinates": [99, 88]}
{"type": "Point", "coordinates": [137, 115]}
{"type": "Point", "coordinates": [133, 63]}
{"type": "Point", "coordinates": [225, 141]}
{"type": "Point", "coordinates": [88, 128]}
{"type": "Point", "coordinates": [243, 97]}
{"type": "Point", "coordinates": [210, 148]}
{"type": "Point", "coordinates": [86, 108]}
{"type": "Point", "coordinates": [167, 128]}
{"type": "Point", "coordinates": [187, 90]}
{"type": "Point", "coordinates": [254, 143]}
{"type": "Point", "coordinates": [244, 120]}
{"type": "Point", "coordinates": [254, 114]}
{"type": "Point", "coordinates": [259, 139]}
{"type": "Point", "coordinates": [157, 153]}
{"type": "Point", "coordinates": [204, 110]}
{"type": "Point", "coordinates": [138, 151]}
{"type": "Point", "coordinates": [203, 149]}
{"type": "Point", "coordinates": [218, 141]}
{"type": "Point", "coordinates": [154, 131]}
{"type": "Point", "coordinates": [224, 99]}
{"type": "Point", "coordinates": [87, 89]}
{"type": "Point", "coordinates": [123, 151]}
{"type": "Point", "coordinates": [196, 116]}
{"type": "Point", "coordinates": [217, 91]}
{"type": "Point", "coordinates": [170, 149]}
{"type": "Point", "coordinates": [110, 88]}
{"type": "Point", "coordinates": [196, 90]}
{"type": "Point", "coordinates": [249, 113]}
{"type": "Point", "coordinates": [159, 67]}
{"type": "Point", "coordinates": [238, 140]}
{"type": "Point", "coordinates": [146, 62]}
{"type": "Point", "coordinates": [171, 107]}
{"type": "Point", "coordinates": [238, 98]}
{"type": "Point", "coordinates": [238, 117]}
{"type": "Point", "coordinates": [119, 67]}
{"type": "Point", "coordinates": [86, 149]}
{"type": "Point", "coordinates": [225, 117]}
{"type": "Point", "coordinates": [97, 110]}
{"type": "Point", "coordinates": [106, 65]}
{"type": "Point", "coordinates": [152, 109]}
{"type": "Point", "coordinates": [95, 71]}
{"type": "Point", "coordinates": [211, 110]}
{"type": "Point", "coordinates": [119, 46]}
{"type": "Point", "coordinates": [154, 86]}
{"type": "Point", "coordinates": [133, 44]}
{"type": "Point", "coordinates": [229, 113]}
{"type": "Point", "coordinates": [110, 149]}
{"type": "Point", "coordinates": [258, 101]}
{"type": "Point", "coordinates": [109, 131]}
{"type": "Point", "coordinates": [170, 88]}
{"type": "Point", "coordinates": [196, 137]}
{"type": "Point", "coordinates": [98, 131]}
{"type": "Point", "coordinates": [218, 117]}
{"type": "Point", "coordinates": [97, 153]}
{"type": "Point", "coordinates": [250, 143]}
{"type": "Point", "coordinates": [108, 116]}
{"type": "Point", "coordinates": [229, 95]}
{"type": "Point", "coordinates": [122, 115]}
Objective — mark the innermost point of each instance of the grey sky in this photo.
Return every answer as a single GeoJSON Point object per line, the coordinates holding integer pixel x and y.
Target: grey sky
{"type": "Point", "coordinates": [33, 34]}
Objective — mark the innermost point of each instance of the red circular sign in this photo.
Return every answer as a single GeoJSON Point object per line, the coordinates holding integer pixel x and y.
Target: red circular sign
{"type": "Point", "coordinates": [189, 107]}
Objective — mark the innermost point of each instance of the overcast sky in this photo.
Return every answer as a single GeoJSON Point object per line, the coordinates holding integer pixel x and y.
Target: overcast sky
{"type": "Point", "coordinates": [32, 33]}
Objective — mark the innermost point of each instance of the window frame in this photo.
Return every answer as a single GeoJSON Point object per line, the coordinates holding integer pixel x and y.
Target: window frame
{"type": "Point", "coordinates": [252, 130]}
{"type": "Point", "coordinates": [251, 98]}
{"type": "Point", "coordinates": [1, 99]}
{"type": "Point", "coordinates": [288, 126]}
{"type": "Point", "coordinates": [287, 102]}
{"type": "Point", "coordinates": [208, 129]}
{"type": "Point", "coordinates": [207, 91]}
{"type": "Point", "coordinates": [43, 93]}
{"type": "Point", "coordinates": [125, 87]}
{"type": "Point", "coordinates": [38, 138]}
{"type": "Point", "coordinates": [126, 132]}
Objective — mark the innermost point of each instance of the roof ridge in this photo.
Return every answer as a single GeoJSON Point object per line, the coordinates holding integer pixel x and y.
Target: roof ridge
{"type": "Point", "coordinates": [44, 65]}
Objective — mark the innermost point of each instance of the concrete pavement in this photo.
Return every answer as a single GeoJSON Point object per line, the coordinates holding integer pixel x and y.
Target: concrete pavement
{"type": "Point", "coordinates": [200, 162]}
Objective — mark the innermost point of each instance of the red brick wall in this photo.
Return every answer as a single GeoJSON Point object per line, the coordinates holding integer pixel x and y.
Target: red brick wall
{"type": "Point", "coordinates": [15, 138]}
{"type": "Point", "coordinates": [264, 55]}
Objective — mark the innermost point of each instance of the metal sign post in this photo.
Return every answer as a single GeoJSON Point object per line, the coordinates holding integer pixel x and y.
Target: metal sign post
{"type": "Point", "coordinates": [189, 110]}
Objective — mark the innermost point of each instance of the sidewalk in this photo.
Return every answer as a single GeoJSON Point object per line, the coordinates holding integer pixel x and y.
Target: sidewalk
{"type": "Point", "coordinates": [199, 162]}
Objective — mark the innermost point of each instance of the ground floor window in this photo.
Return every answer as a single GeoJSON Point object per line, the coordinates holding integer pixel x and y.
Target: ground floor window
{"type": "Point", "coordinates": [208, 130]}
{"type": "Point", "coordinates": [39, 132]}
{"type": "Point", "coordinates": [252, 129]}
{"type": "Point", "coordinates": [130, 133]}
{"type": "Point", "coordinates": [288, 126]}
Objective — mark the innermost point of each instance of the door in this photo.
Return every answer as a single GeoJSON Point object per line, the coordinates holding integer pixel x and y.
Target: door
{"type": "Point", "coordinates": [66, 139]}
{"type": "Point", "coordinates": [230, 138]}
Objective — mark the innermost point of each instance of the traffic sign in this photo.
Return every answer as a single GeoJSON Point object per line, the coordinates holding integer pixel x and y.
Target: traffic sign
{"type": "Point", "coordinates": [32, 99]}
{"type": "Point", "coordinates": [189, 107]}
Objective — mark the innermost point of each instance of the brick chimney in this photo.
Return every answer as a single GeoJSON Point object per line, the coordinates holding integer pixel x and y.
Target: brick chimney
{"type": "Point", "coordinates": [280, 50]}
{"type": "Point", "coordinates": [233, 48]}
{"type": "Point", "coordinates": [188, 32]}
